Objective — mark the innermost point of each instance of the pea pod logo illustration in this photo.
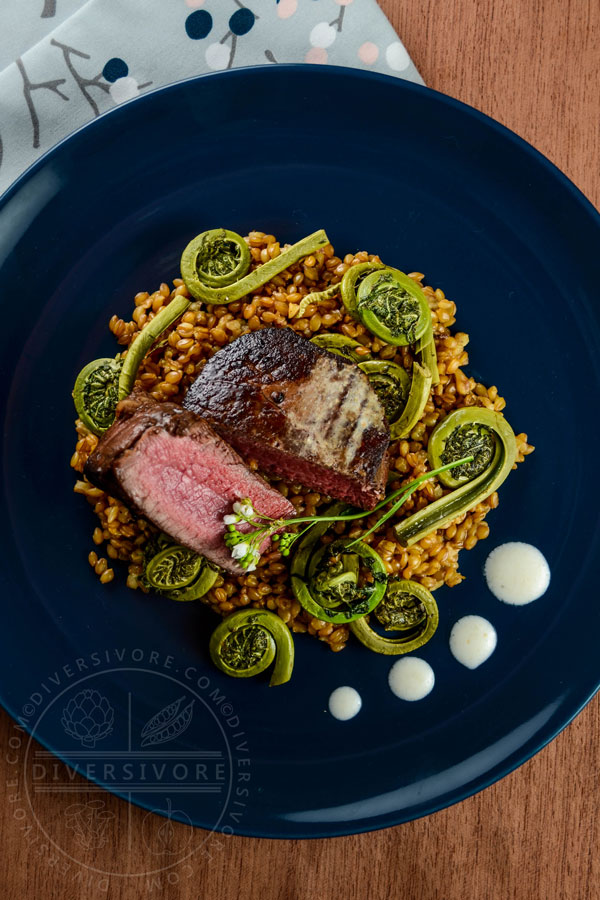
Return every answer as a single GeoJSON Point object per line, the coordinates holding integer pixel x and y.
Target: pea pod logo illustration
{"type": "Point", "coordinates": [171, 721]}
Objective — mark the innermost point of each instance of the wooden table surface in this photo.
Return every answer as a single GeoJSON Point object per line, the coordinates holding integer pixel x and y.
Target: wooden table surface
{"type": "Point", "coordinates": [535, 66]}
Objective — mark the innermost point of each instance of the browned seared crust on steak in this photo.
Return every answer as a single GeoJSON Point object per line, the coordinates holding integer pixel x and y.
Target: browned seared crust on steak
{"type": "Point", "coordinates": [304, 414]}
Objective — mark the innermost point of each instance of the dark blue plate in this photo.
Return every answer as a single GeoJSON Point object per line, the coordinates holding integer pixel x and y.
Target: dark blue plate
{"type": "Point", "coordinates": [431, 185]}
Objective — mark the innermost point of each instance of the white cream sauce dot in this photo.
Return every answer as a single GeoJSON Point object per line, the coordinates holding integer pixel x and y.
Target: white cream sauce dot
{"type": "Point", "coordinates": [517, 573]}
{"type": "Point", "coordinates": [344, 703]}
{"type": "Point", "coordinates": [411, 678]}
{"type": "Point", "coordinates": [472, 640]}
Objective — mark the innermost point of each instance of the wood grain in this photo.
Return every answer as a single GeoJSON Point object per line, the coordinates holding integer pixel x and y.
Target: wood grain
{"type": "Point", "coordinates": [535, 66]}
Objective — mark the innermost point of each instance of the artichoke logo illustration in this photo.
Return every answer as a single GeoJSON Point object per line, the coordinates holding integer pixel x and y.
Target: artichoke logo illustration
{"type": "Point", "coordinates": [88, 717]}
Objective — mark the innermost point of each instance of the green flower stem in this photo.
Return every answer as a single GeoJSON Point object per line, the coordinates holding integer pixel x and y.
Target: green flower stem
{"type": "Point", "coordinates": [254, 538]}
{"type": "Point", "coordinates": [394, 509]}
{"type": "Point", "coordinates": [412, 485]}
{"type": "Point", "coordinates": [145, 339]}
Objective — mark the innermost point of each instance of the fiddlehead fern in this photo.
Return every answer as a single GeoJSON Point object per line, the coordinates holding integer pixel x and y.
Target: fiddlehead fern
{"type": "Point", "coordinates": [248, 641]}
{"type": "Point", "coordinates": [407, 608]}
{"type": "Point", "coordinates": [391, 383]}
{"type": "Point", "coordinates": [332, 584]}
{"type": "Point", "coordinates": [479, 433]}
{"type": "Point", "coordinates": [215, 264]}
{"type": "Point", "coordinates": [96, 393]}
{"type": "Point", "coordinates": [179, 573]}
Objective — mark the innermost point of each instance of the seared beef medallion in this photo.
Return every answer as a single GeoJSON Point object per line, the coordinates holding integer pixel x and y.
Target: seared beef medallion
{"type": "Point", "coordinates": [306, 415]}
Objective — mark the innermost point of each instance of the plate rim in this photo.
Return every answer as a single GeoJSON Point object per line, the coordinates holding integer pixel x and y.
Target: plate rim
{"type": "Point", "coordinates": [390, 819]}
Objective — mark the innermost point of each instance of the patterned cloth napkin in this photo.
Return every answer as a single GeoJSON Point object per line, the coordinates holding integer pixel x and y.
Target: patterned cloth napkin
{"type": "Point", "coordinates": [63, 62]}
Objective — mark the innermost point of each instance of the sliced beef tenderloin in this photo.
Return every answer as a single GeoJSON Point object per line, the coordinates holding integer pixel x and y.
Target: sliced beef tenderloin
{"type": "Point", "coordinates": [304, 414]}
{"type": "Point", "coordinates": [171, 467]}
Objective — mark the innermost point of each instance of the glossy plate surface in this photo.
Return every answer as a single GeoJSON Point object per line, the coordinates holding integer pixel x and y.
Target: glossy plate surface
{"type": "Point", "coordinates": [429, 184]}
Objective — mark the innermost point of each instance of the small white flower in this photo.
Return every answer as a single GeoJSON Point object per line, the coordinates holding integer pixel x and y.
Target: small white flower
{"type": "Point", "coordinates": [243, 509]}
{"type": "Point", "coordinates": [239, 550]}
{"type": "Point", "coordinates": [251, 567]}
{"type": "Point", "coordinates": [231, 520]}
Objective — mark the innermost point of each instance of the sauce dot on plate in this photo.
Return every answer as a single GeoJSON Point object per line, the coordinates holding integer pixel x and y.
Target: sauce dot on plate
{"type": "Point", "coordinates": [472, 640]}
{"type": "Point", "coordinates": [344, 703]}
{"type": "Point", "coordinates": [411, 678]}
{"type": "Point", "coordinates": [517, 573]}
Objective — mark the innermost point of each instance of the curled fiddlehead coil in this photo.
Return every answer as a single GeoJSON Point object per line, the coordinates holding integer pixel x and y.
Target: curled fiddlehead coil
{"type": "Point", "coordinates": [102, 383]}
{"type": "Point", "coordinates": [174, 567]}
{"type": "Point", "coordinates": [407, 608]}
{"type": "Point", "coordinates": [474, 431]}
{"type": "Point", "coordinates": [393, 307]}
{"type": "Point", "coordinates": [215, 264]}
{"type": "Point", "coordinates": [96, 393]}
{"type": "Point", "coordinates": [221, 257]}
{"type": "Point", "coordinates": [391, 383]}
{"type": "Point", "coordinates": [179, 573]}
{"type": "Point", "coordinates": [248, 641]}
{"type": "Point", "coordinates": [336, 582]}
{"type": "Point", "coordinates": [351, 282]}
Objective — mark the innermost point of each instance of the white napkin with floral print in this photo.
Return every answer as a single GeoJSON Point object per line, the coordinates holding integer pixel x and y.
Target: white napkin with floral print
{"type": "Point", "coordinates": [63, 62]}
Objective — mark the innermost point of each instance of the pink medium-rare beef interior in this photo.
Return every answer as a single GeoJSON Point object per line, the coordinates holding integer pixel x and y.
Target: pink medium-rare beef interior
{"type": "Point", "coordinates": [186, 487]}
{"type": "Point", "coordinates": [171, 467]}
{"type": "Point", "coordinates": [290, 468]}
